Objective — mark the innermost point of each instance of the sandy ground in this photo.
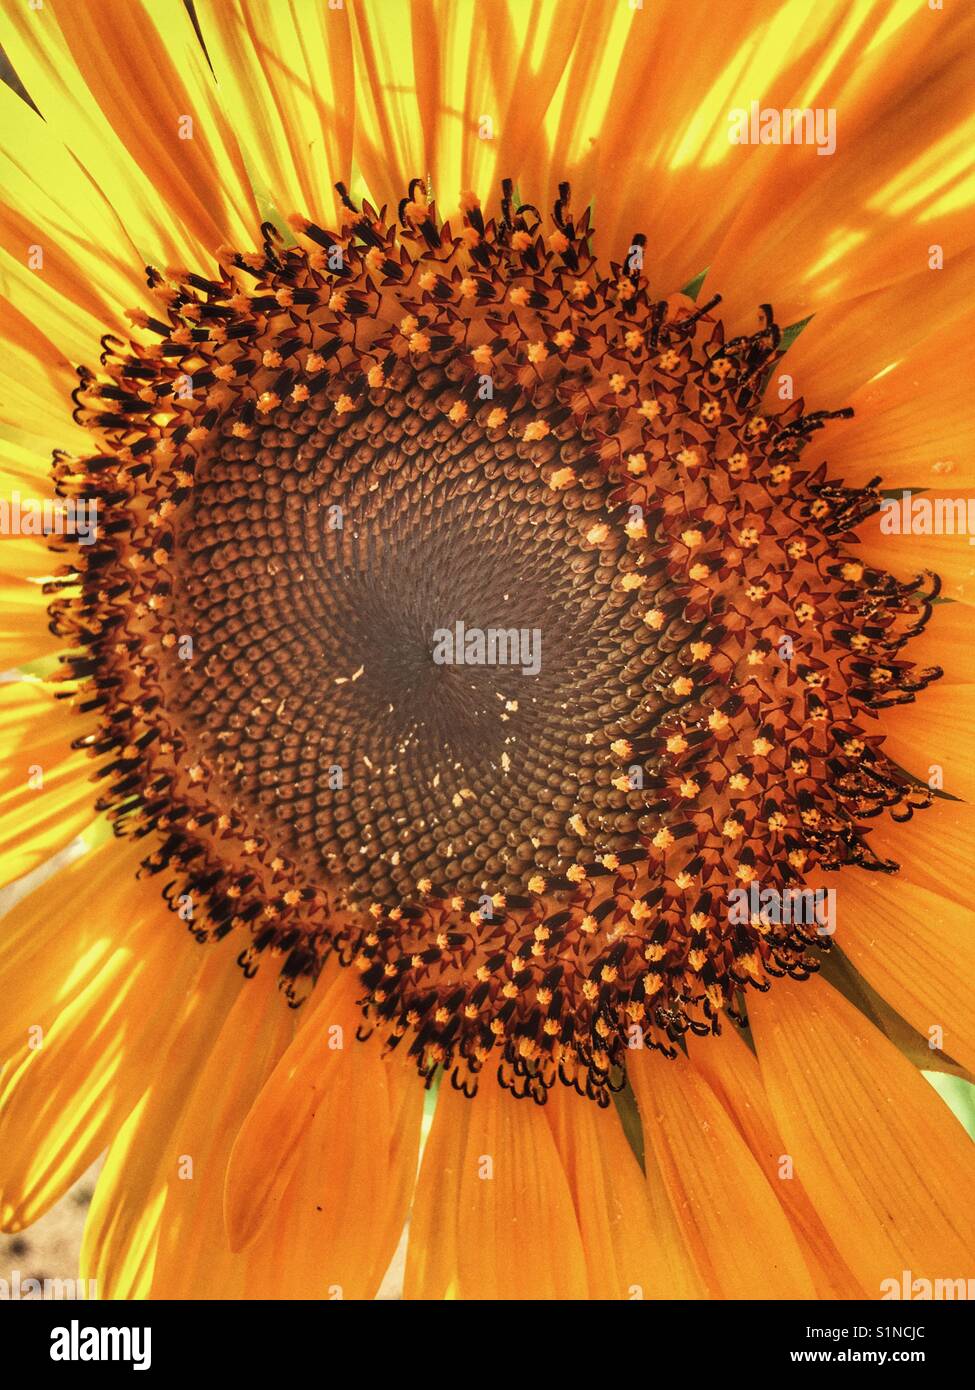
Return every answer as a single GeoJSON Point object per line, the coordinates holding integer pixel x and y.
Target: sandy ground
{"type": "Point", "coordinates": [50, 1248]}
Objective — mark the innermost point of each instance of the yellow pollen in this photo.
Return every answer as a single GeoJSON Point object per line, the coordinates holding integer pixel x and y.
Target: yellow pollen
{"type": "Point", "coordinates": [538, 429]}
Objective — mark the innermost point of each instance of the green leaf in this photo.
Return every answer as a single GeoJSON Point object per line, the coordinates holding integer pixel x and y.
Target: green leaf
{"type": "Point", "coordinates": [959, 1096]}
{"type": "Point", "coordinates": [693, 287]}
{"type": "Point", "coordinates": [787, 338]}
{"type": "Point", "coordinates": [790, 334]}
{"type": "Point", "coordinates": [920, 782]}
{"type": "Point", "coordinates": [629, 1113]}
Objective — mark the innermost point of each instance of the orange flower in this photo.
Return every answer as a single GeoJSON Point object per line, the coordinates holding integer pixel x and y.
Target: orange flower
{"type": "Point", "coordinates": [285, 433]}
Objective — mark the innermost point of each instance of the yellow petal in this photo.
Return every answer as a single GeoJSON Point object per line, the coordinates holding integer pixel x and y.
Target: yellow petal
{"type": "Point", "coordinates": [63, 1100]}
{"type": "Point", "coordinates": [816, 230]}
{"type": "Point", "coordinates": [117, 85]}
{"type": "Point", "coordinates": [286, 80]}
{"type": "Point", "coordinates": [36, 380]}
{"type": "Point", "coordinates": [24, 632]}
{"type": "Point", "coordinates": [57, 938]}
{"type": "Point", "coordinates": [123, 1226]}
{"type": "Point", "coordinates": [87, 264]}
{"type": "Point", "coordinates": [46, 795]}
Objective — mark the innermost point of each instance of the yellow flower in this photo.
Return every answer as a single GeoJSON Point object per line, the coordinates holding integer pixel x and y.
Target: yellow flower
{"type": "Point", "coordinates": [215, 335]}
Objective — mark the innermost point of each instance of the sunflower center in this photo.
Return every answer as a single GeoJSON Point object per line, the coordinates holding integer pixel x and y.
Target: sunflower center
{"type": "Point", "coordinates": [459, 608]}
{"type": "Point", "coordinates": [410, 653]}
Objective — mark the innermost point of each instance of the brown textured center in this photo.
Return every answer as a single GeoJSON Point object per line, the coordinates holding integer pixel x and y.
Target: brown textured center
{"type": "Point", "coordinates": [321, 561]}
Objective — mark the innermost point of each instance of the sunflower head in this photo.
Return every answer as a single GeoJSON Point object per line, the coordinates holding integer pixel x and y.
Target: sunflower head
{"type": "Point", "coordinates": [335, 454]}
{"type": "Point", "coordinates": [487, 645]}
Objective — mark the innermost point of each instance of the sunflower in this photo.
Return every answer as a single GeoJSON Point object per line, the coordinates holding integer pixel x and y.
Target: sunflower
{"type": "Point", "coordinates": [356, 327]}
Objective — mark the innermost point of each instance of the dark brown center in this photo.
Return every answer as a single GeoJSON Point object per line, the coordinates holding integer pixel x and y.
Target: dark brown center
{"type": "Point", "coordinates": [408, 649]}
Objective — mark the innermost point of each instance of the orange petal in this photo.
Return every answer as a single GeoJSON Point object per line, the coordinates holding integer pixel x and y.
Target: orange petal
{"type": "Point", "coordinates": [942, 834]}
{"type": "Point", "coordinates": [493, 1217]}
{"type": "Point", "coordinates": [627, 1254]}
{"type": "Point", "coordinates": [951, 555]}
{"type": "Point", "coordinates": [932, 738]}
{"type": "Point", "coordinates": [945, 643]}
{"type": "Point", "coordinates": [724, 1203]}
{"type": "Point", "coordinates": [913, 423]}
{"type": "Point", "coordinates": [324, 1077]}
{"type": "Point", "coordinates": [193, 1259]}
{"type": "Point", "coordinates": [431, 1254]}
{"type": "Point", "coordinates": [846, 349]}
{"type": "Point", "coordinates": [341, 1217]}
{"type": "Point", "coordinates": [886, 1163]}
{"type": "Point", "coordinates": [732, 1072]}
{"type": "Point", "coordinates": [917, 949]}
